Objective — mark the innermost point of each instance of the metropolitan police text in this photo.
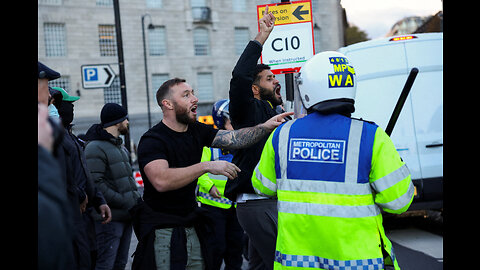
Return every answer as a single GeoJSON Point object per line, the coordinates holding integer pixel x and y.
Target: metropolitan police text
{"type": "Point", "coordinates": [326, 151]}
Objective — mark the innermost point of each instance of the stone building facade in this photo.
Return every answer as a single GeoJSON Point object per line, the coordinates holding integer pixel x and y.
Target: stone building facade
{"type": "Point", "coordinates": [198, 40]}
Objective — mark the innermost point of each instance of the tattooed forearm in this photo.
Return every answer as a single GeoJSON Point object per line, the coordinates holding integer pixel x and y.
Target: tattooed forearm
{"type": "Point", "coordinates": [241, 138]}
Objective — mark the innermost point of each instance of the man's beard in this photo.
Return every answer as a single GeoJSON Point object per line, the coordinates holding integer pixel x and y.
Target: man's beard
{"type": "Point", "coordinates": [182, 116]}
{"type": "Point", "coordinates": [266, 94]}
{"type": "Point", "coordinates": [123, 130]}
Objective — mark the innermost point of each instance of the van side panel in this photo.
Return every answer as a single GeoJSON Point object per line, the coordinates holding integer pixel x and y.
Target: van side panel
{"type": "Point", "coordinates": [427, 103]}
{"type": "Point", "coordinates": [382, 68]}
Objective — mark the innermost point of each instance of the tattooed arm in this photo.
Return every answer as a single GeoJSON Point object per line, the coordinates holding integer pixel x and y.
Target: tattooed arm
{"type": "Point", "coordinates": [241, 138]}
{"type": "Point", "coordinates": [245, 137]}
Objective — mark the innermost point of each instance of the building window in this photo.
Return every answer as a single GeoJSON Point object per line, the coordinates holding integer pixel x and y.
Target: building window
{"type": "Point", "coordinates": [62, 82]}
{"type": "Point", "coordinates": [204, 91]}
{"type": "Point", "coordinates": [154, 3]}
{"type": "Point", "coordinates": [107, 40]}
{"type": "Point", "coordinates": [105, 3]}
{"type": "Point", "coordinates": [55, 39]}
{"type": "Point", "coordinates": [242, 37]}
{"type": "Point", "coordinates": [112, 94]}
{"type": "Point", "coordinates": [50, 2]}
{"type": "Point", "coordinates": [200, 11]}
{"type": "Point", "coordinates": [157, 42]}
{"type": "Point", "coordinates": [201, 41]}
{"type": "Point", "coordinates": [157, 81]}
{"type": "Point", "coordinates": [239, 5]}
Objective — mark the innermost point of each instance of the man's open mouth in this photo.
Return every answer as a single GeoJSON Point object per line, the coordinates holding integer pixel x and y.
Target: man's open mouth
{"type": "Point", "coordinates": [194, 109]}
{"type": "Point", "coordinates": [277, 89]}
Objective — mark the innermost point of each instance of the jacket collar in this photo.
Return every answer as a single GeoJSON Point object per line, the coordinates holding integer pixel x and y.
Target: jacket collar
{"type": "Point", "coordinates": [97, 133]}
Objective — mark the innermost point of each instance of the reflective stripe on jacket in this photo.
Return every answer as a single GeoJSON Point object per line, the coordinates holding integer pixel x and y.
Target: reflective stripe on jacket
{"type": "Point", "coordinates": [332, 175]}
{"type": "Point", "coordinates": [206, 181]}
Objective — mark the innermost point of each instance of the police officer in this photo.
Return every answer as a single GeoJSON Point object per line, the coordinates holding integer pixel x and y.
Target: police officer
{"type": "Point", "coordinates": [228, 232]}
{"type": "Point", "coordinates": [332, 175]}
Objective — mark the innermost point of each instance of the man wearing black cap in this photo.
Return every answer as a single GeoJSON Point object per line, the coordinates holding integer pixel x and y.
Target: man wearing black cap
{"type": "Point", "coordinates": [54, 220]}
{"type": "Point", "coordinates": [45, 74]}
{"type": "Point", "coordinates": [109, 165]}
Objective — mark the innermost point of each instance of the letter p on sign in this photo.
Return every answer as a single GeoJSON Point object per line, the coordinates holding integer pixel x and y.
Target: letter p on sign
{"type": "Point", "coordinates": [91, 74]}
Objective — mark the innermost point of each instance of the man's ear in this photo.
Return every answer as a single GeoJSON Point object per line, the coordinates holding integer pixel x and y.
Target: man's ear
{"type": "Point", "coordinates": [167, 104]}
{"type": "Point", "coordinates": [255, 90]}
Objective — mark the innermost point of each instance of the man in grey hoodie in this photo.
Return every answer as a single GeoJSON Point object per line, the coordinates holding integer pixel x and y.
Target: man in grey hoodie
{"type": "Point", "coordinates": [109, 164]}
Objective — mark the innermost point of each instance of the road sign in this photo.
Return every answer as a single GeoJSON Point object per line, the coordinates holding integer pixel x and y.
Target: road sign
{"type": "Point", "coordinates": [290, 44]}
{"type": "Point", "coordinates": [292, 12]}
{"type": "Point", "coordinates": [97, 76]}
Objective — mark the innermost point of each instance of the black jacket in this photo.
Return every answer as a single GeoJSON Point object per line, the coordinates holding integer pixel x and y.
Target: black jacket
{"type": "Point", "coordinates": [55, 224]}
{"type": "Point", "coordinates": [85, 185]}
{"type": "Point", "coordinates": [111, 172]}
{"type": "Point", "coordinates": [246, 111]}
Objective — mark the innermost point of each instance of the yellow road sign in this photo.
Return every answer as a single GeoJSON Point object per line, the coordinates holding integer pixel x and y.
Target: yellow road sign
{"type": "Point", "coordinates": [296, 12]}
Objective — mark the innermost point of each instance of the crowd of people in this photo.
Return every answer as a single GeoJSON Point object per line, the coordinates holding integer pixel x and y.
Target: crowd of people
{"type": "Point", "coordinates": [208, 189]}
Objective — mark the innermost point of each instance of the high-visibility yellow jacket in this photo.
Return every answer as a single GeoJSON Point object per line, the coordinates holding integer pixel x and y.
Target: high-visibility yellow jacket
{"type": "Point", "coordinates": [206, 181]}
{"type": "Point", "coordinates": [332, 175]}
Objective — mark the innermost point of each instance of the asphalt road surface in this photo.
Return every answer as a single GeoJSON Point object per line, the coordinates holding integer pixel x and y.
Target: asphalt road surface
{"type": "Point", "coordinates": [417, 239]}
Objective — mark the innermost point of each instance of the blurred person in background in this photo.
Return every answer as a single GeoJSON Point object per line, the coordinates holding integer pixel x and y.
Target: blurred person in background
{"type": "Point", "coordinates": [80, 185]}
{"type": "Point", "coordinates": [54, 220]}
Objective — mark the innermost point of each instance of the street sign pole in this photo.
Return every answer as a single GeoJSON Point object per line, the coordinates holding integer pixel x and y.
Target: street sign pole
{"type": "Point", "coordinates": [288, 79]}
{"type": "Point", "coordinates": [121, 64]}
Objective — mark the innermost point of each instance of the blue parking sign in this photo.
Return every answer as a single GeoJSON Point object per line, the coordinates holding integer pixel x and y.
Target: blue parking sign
{"type": "Point", "coordinates": [90, 74]}
{"type": "Point", "coordinates": [97, 76]}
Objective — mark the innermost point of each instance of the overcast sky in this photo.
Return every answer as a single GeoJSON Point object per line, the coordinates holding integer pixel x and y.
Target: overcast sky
{"type": "Point", "coordinates": [376, 17]}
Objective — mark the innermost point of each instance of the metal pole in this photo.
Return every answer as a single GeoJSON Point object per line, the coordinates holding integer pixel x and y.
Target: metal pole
{"type": "Point", "coordinates": [288, 78]}
{"type": "Point", "coordinates": [146, 70]}
{"type": "Point", "coordinates": [121, 64]}
{"type": "Point", "coordinates": [289, 87]}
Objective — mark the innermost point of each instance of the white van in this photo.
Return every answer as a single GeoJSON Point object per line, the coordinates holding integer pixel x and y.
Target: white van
{"type": "Point", "coordinates": [382, 67]}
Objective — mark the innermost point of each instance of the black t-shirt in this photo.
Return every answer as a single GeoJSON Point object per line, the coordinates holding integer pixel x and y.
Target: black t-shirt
{"type": "Point", "coordinates": [180, 149]}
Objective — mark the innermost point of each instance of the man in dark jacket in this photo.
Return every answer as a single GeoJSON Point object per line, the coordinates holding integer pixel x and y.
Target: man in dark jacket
{"type": "Point", "coordinates": [109, 163]}
{"type": "Point", "coordinates": [254, 96]}
{"type": "Point", "coordinates": [82, 193]}
{"type": "Point", "coordinates": [54, 242]}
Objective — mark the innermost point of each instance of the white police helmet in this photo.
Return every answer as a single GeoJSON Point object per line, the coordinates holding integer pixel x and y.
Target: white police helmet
{"type": "Point", "coordinates": [326, 76]}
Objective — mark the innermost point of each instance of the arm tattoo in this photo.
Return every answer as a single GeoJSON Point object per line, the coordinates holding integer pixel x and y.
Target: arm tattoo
{"type": "Point", "coordinates": [241, 138]}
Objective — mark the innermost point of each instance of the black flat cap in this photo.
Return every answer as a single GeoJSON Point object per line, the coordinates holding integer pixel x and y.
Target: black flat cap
{"type": "Point", "coordinates": [45, 72]}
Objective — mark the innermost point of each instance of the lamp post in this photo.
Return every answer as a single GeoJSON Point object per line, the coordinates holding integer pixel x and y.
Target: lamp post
{"type": "Point", "coordinates": [121, 66]}
{"type": "Point", "coordinates": [150, 26]}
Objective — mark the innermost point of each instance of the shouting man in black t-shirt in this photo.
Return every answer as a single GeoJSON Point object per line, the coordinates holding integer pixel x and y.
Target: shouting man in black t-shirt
{"type": "Point", "coordinates": [169, 157]}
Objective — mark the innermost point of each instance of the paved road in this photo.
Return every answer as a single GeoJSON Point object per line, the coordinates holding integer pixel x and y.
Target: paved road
{"type": "Point", "coordinates": [417, 240]}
